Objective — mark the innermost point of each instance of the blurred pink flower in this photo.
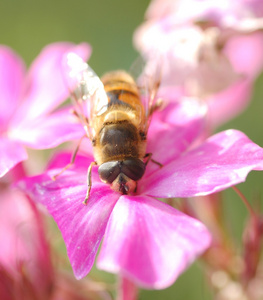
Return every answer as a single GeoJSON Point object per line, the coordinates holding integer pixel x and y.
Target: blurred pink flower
{"type": "Point", "coordinates": [236, 14]}
{"type": "Point", "coordinates": [26, 269]}
{"type": "Point", "coordinates": [210, 49]}
{"type": "Point", "coordinates": [146, 240]}
{"type": "Point", "coordinates": [27, 102]}
{"type": "Point", "coordinates": [25, 262]}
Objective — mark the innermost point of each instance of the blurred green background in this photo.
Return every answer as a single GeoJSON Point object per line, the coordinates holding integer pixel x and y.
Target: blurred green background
{"type": "Point", "coordinates": [27, 26]}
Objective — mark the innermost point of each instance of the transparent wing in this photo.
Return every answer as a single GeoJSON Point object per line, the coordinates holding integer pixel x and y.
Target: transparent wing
{"type": "Point", "coordinates": [86, 89]}
{"type": "Point", "coordinates": [148, 78]}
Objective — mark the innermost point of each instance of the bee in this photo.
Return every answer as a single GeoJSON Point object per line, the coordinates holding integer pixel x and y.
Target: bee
{"type": "Point", "coordinates": [115, 112]}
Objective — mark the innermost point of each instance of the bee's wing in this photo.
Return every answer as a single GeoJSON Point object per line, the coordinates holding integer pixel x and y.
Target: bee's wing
{"type": "Point", "coordinates": [148, 78]}
{"type": "Point", "coordinates": [86, 89]}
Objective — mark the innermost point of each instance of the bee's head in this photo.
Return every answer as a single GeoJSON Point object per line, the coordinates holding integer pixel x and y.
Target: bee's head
{"type": "Point", "coordinates": [122, 175]}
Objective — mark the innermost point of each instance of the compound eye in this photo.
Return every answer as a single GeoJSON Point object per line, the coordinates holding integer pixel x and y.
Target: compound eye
{"type": "Point", "coordinates": [133, 168]}
{"type": "Point", "coordinates": [109, 171]}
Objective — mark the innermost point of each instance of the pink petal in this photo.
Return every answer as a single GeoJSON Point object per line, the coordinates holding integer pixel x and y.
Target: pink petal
{"type": "Point", "coordinates": [82, 227]}
{"type": "Point", "coordinates": [173, 130]}
{"type": "Point", "coordinates": [226, 105]}
{"type": "Point", "coordinates": [50, 131]}
{"type": "Point", "coordinates": [245, 53]}
{"type": "Point", "coordinates": [221, 161]}
{"type": "Point", "coordinates": [12, 72]}
{"type": "Point", "coordinates": [46, 88]}
{"type": "Point", "coordinates": [150, 242]}
{"type": "Point", "coordinates": [159, 8]}
{"type": "Point", "coordinates": [61, 159]}
{"type": "Point", "coordinates": [11, 153]}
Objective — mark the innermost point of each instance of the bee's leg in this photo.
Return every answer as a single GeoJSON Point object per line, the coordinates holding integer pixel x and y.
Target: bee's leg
{"type": "Point", "coordinates": [82, 119]}
{"type": "Point", "coordinates": [85, 202]}
{"type": "Point", "coordinates": [72, 159]}
{"type": "Point", "coordinates": [76, 114]}
{"type": "Point", "coordinates": [148, 157]}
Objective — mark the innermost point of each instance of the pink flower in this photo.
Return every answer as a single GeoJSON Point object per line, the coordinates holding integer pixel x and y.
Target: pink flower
{"type": "Point", "coordinates": [238, 14]}
{"type": "Point", "coordinates": [210, 49]}
{"type": "Point", "coordinates": [25, 262]}
{"type": "Point", "coordinates": [146, 240]}
{"type": "Point", "coordinates": [27, 116]}
{"type": "Point", "coordinates": [26, 269]}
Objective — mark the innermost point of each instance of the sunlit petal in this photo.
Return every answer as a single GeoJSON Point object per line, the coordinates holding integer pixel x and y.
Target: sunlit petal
{"type": "Point", "coordinates": [222, 161]}
{"type": "Point", "coordinates": [150, 242]}
{"type": "Point", "coordinates": [49, 131]}
{"type": "Point", "coordinates": [11, 153]}
{"type": "Point", "coordinates": [82, 227]}
{"type": "Point", "coordinates": [46, 88]}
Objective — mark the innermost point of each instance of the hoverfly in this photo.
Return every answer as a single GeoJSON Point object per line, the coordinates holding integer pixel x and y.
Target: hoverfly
{"type": "Point", "coordinates": [115, 112]}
